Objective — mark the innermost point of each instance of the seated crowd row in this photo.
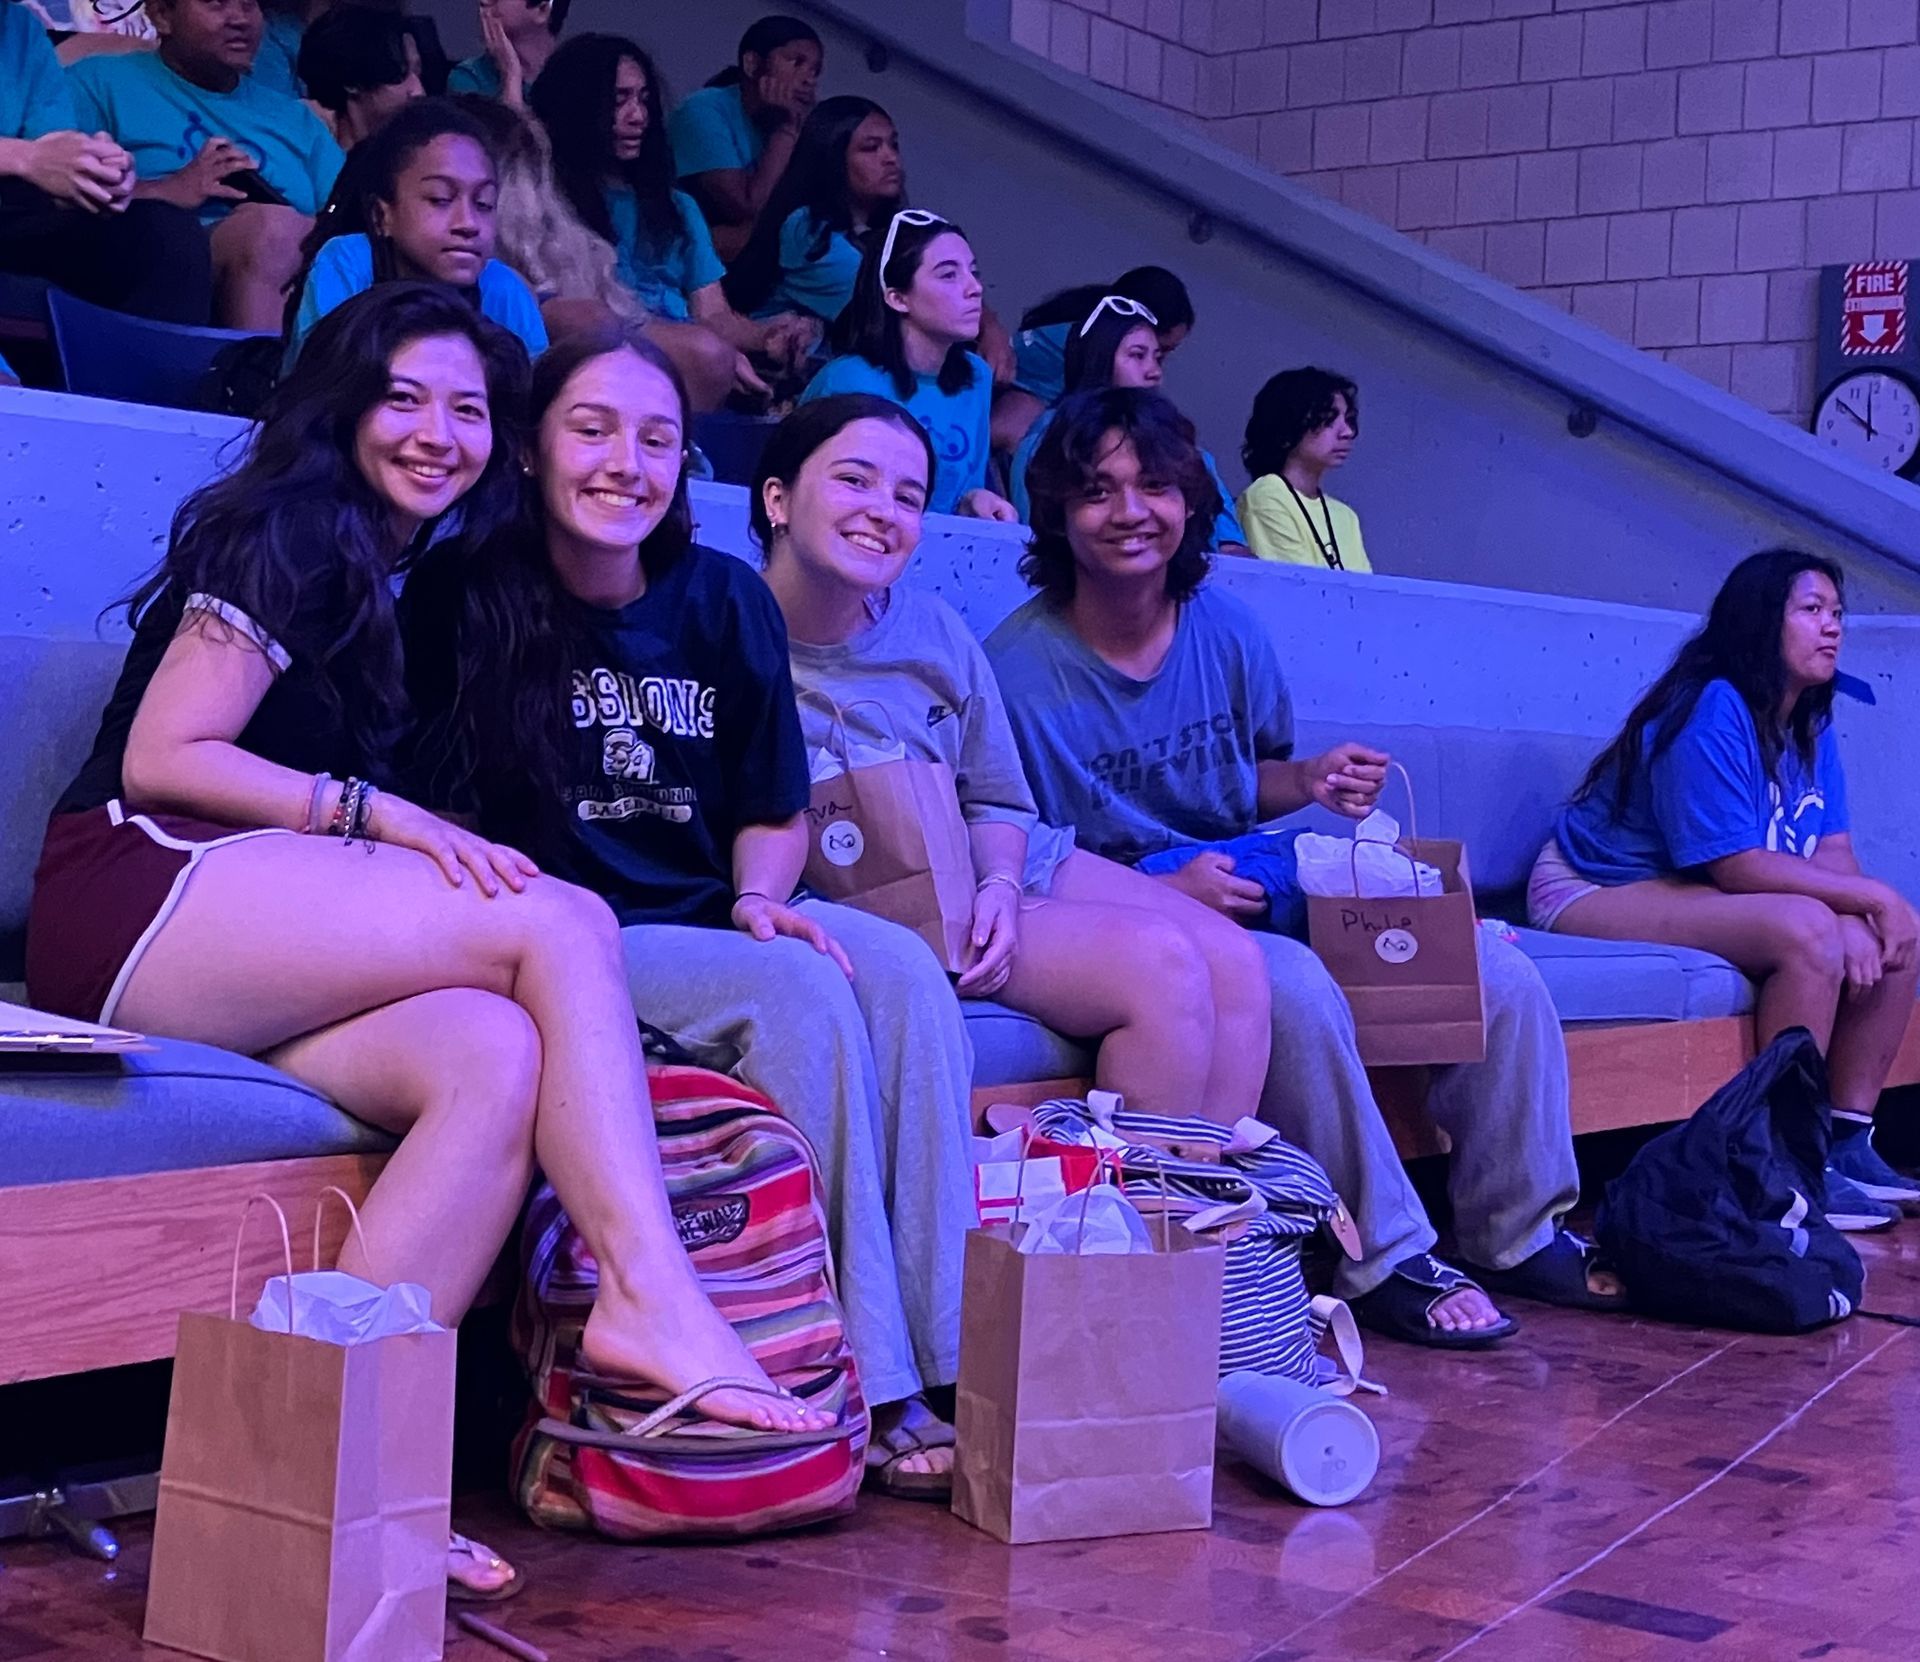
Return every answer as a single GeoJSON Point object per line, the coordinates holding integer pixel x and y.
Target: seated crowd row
{"type": "Point", "coordinates": [758, 236]}
{"type": "Point", "coordinates": [564, 774]}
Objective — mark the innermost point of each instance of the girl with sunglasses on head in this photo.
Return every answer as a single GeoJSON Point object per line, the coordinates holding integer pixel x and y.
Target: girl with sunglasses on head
{"type": "Point", "coordinates": [600, 102]}
{"type": "Point", "coordinates": [1040, 343]}
{"type": "Point", "coordinates": [1180, 1023]}
{"type": "Point", "coordinates": [231, 867]}
{"type": "Point", "coordinates": [616, 699]}
{"type": "Point", "coordinates": [417, 202]}
{"type": "Point", "coordinates": [1303, 426]}
{"type": "Point", "coordinates": [845, 178]}
{"type": "Point", "coordinates": [1118, 345]}
{"type": "Point", "coordinates": [906, 335]}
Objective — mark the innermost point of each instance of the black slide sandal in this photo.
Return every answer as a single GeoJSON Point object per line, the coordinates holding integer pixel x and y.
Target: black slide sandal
{"type": "Point", "coordinates": [1557, 1274]}
{"type": "Point", "coordinates": [1401, 1307]}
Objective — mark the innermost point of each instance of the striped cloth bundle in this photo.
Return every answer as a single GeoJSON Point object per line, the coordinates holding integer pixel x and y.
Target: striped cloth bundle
{"type": "Point", "coordinates": [746, 1198]}
{"type": "Point", "coordinates": [1260, 1194]}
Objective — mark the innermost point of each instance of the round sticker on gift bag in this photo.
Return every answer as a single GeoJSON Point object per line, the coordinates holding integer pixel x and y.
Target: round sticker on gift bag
{"type": "Point", "coordinates": [1395, 946]}
{"type": "Point", "coordinates": [842, 843]}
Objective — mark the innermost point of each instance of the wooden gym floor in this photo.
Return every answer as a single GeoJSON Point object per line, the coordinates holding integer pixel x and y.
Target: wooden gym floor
{"type": "Point", "coordinates": [1597, 1489]}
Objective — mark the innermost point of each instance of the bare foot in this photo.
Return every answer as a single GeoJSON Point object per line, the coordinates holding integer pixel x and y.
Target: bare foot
{"type": "Point", "coordinates": [476, 1566]}
{"type": "Point", "coordinates": [675, 1339]}
{"type": "Point", "coordinates": [1466, 1310]}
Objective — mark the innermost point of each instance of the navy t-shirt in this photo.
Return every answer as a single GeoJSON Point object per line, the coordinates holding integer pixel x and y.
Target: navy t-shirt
{"type": "Point", "coordinates": [681, 731]}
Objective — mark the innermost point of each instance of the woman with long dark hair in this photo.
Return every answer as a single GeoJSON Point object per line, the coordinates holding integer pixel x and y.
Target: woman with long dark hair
{"type": "Point", "coordinates": [734, 139]}
{"type": "Point", "coordinates": [416, 202]}
{"type": "Point", "coordinates": [232, 865]}
{"type": "Point", "coordinates": [1117, 344]}
{"type": "Point", "coordinates": [1718, 819]}
{"type": "Point", "coordinates": [845, 178]}
{"type": "Point", "coordinates": [907, 335]}
{"type": "Point", "coordinates": [600, 102]}
{"type": "Point", "coordinates": [614, 698]}
{"type": "Point", "coordinates": [1303, 425]}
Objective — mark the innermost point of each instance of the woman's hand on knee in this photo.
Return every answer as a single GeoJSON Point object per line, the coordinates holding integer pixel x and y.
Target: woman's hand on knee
{"type": "Point", "coordinates": [454, 850]}
{"type": "Point", "coordinates": [1897, 928]}
{"type": "Point", "coordinates": [764, 920]}
{"type": "Point", "coordinates": [1861, 952]}
{"type": "Point", "coordinates": [996, 937]}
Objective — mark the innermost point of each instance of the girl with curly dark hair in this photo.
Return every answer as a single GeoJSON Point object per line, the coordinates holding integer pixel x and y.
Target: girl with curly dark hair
{"type": "Point", "coordinates": [1303, 426]}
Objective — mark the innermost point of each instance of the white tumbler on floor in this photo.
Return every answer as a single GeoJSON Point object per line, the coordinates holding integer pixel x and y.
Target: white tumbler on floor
{"type": "Point", "coordinates": [1320, 1447]}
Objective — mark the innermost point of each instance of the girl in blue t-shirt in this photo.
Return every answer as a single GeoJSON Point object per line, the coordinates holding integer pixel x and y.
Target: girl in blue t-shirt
{"type": "Point", "coordinates": [1718, 819]}
{"type": "Point", "coordinates": [621, 698]}
{"type": "Point", "coordinates": [1118, 345]}
{"type": "Point", "coordinates": [416, 202]}
{"type": "Point", "coordinates": [804, 254]}
{"type": "Point", "coordinates": [599, 100]}
{"type": "Point", "coordinates": [915, 309]}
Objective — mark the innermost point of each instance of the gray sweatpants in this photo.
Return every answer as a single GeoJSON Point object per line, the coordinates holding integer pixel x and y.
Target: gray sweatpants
{"type": "Point", "coordinates": [877, 1072]}
{"type": "Point", "coordinates": [1512, 1171]}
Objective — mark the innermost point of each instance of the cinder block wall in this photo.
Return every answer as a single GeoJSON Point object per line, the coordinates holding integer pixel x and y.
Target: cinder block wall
{"type": "Point", "coordinates": [1674, 171]}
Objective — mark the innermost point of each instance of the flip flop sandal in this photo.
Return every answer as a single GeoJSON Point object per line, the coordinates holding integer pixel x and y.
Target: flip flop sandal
{"type": "Point", "coordinates": [1402, 1306]}
{"type": "Point", "coordinates": [918, 1431]}
{"type": "Point", "coordinates": [458, 1592]}
{"type": "Point", "coordinates": [1557, 1274]}
{"type": "Point", "coordinates": [672, 1429]}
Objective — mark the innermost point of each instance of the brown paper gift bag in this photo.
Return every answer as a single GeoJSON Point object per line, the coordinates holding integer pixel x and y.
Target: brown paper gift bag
{"type": "Point", "coordinates": [305, 1494]}
{"type": "Point", "coordinates": [889, 838]}
{"type": "Point", "coordinates": [1410, 966]}
{"type": "Point", "coordinates": [1087, 1388]}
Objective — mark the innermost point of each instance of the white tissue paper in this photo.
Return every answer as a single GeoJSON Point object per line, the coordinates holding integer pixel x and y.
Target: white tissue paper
{"type": "Point", "coordinates": [1097, 1220]}
{"type": "Point", "coordinates": [342, 1309]}
{"type": "Point", "coordinates": [1329, 866]}
{"type": "Point", "coordinates": [830, 764]}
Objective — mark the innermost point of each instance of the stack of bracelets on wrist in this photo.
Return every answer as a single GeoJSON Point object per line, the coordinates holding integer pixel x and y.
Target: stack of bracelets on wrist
{"type": "Point", "coordinates": [1009, 878]}
{"type": "Point", "coordinates": [350, 813]}
{"type": "Point", "coordinates": [321, 781]}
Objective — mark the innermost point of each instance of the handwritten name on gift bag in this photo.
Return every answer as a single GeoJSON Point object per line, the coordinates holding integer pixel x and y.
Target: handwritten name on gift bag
{"type": "Point", "coordinates": [306, 1485]}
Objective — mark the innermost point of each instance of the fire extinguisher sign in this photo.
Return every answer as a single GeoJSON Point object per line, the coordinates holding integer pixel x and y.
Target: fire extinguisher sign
{"type": "Point", "coordinates": [1873, 315]}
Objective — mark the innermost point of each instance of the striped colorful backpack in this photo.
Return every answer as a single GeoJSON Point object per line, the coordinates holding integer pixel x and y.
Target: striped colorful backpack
{"type": "Point", "coordinates": [746, 1197]}
{"type": "Point", "coordinates": [1256, 1193]}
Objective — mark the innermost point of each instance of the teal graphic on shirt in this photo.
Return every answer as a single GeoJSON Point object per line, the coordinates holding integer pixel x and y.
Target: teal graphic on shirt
{"type": "Point", "coordinates": [34, 96]}
{"type": "Point", "coordinates": [711, 132]}
{"type": "Point", "coordinates": [163, 120]}
{"type": "Point", "coordinates": [664, 279]}
{"type": "Point", "coordinates": [344, 268]}
{"type": "Point", "coordinates": [959, 423]}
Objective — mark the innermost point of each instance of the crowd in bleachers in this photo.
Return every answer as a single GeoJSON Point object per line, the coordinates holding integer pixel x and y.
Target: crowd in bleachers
{"type": "Point", "coordinates": [579, 743]}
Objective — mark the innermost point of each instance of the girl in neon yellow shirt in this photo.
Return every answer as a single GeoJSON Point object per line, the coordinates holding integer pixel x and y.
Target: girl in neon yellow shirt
{"type": "Point", "coordinates": [1303, 426]}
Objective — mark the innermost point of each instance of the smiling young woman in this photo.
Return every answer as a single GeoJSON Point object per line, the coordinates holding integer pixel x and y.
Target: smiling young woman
{"type": "Point", "coordinates": [616, 699]}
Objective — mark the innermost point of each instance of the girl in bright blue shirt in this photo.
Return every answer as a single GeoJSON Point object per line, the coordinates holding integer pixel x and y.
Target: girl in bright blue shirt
{"type": "Point", "coordinates": [804, 254]}
{"type": "Point", "coordinates": [1718, 819]}
{"type": "Point", "coordinates": [915, 309]}
{"type": "Point", "coordinates": [418, 201]}
{"type": "Point", "coordinates": [1118, 345]}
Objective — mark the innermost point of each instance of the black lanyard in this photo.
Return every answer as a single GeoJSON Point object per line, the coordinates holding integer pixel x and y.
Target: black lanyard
{"type": "Point", "coordinates": [1329, 546]}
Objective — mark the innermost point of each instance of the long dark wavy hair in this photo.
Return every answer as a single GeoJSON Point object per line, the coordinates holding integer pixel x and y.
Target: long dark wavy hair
{"type": "Point", "coordinates": [768, 34]}
{"type": "Point", "coordinates": [1090, 355]}
{"type": "Point", "coordinates": [296, 537]}
{"type": "Point", "coordinates": [803, 432]}
{"type": "Point", "coordinates": [517, 633]}
{"type": "Point", "coordinates": [1291, 405]}
{"type": "Point", "coordinates": [1067, 458]}
{"type": "Point", "coordinates": [1740, 643]}
{"type": "Point", "coordinates": [573, 99]}
{"type": "Point", "coordinates": [371, 174]}
{"type": "Point", "coordinates": [816, 180]}
{"type": "Point", "coordinates": [869, 328]}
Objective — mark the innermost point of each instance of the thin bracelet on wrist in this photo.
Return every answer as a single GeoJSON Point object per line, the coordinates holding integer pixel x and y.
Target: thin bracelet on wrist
{"type": "Point", "coordinates": [1011, 880]}
{"type": "Point", "coordinates": [753, 894]}
{"type": "Point", "coordinates": [311, 825]}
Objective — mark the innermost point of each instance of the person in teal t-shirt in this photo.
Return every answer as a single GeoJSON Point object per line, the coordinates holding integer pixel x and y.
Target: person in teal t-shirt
{"type": "Point", "coordinates": [915, 308]}
{"type": "Point", "coordinates": [1118, 345]}
{"type": "Point", "coordinates": [732, 139]}
{"type": "Point", "coordinates": [418, 203]}
{"type": "Point", "coordinates": [520, 35]}
{"type": "Point", "coordinates": [618, 177]}
{"type": "Point", "coordinates": [804, 254]}
{"type": "Point", "coordinates": [67, 213]}
{"type": "Point", "coordinates": [254, 164]}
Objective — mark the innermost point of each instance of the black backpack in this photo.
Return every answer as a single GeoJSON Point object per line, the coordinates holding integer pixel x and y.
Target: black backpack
{"type": "Point", "coordinates": [1721, 1220]}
